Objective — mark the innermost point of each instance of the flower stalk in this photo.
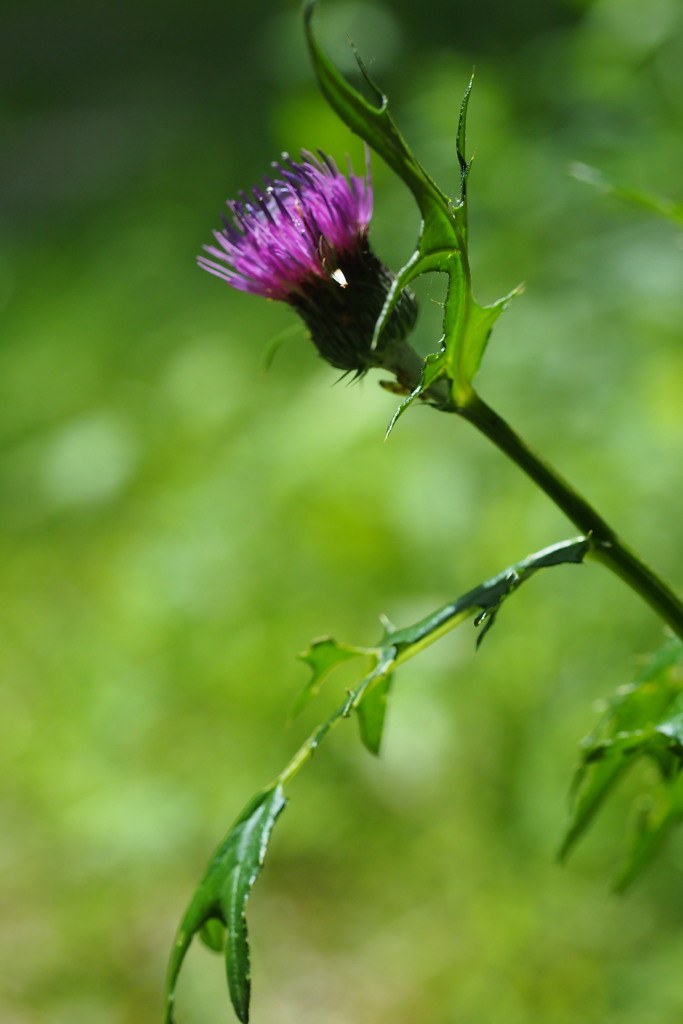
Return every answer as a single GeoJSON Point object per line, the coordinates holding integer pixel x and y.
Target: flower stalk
{"type": "Point", "coordinates": [606, 546]}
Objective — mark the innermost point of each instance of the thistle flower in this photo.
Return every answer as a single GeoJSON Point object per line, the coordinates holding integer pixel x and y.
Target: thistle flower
{"type": "Point", "coordinates": [303, 240]}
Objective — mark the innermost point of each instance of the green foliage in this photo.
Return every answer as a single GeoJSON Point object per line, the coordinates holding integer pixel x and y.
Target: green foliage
{"type": "Point", "coordinates": [635, 726]}
{"type": "Point", "coordinates": [220, 899]}
{"type": "Point", "coordinates": [643, 721]}
{"type": "Point", "coordinates": [372, 712]}
{"type": "Point", "coordinates": [221, 895]}
{"type": "Point", "coordinates": [171, 518]}
{"type": "Point", "coordinates": [322, 657]}
{"type": "Point", "coordinates": [663, 207]}
{"type": "Point", "coordinates": [373, 123]}
{"type": "Point", "coordinates": [637, 730]}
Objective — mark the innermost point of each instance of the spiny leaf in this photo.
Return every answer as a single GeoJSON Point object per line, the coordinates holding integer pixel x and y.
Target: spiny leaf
{"type": "Point", "coordinates": [220, 899]}
{"type": "Point", "coordinates": [461, 148]}
{"type": "Point", "coordinates": [222, 895]}
{"type": "Point", "coordinates": [385, 660]}
{"type": "Point", "coordinates": [374, 124]}
{"type": "Point", "coordinates": [441, 243]}
{"type": "Point", "coordinates": [672, 729]}
{"type": "Point", "coordinates": [434, 369]}
{"type": "Point", "coordinates": [481, 321]}
{"type": "Point", "coordinates": [219, 902]}
{"type": "Point", "coordinates": [663, 811]}
{"type": "Point", "coordinates": [592, 786]}
{"type": "Point", "coordinates": [468, 328]}
{"type": "Point", "coordinates": [644, 719]}
{"type": "Point", "coordinates": [323, 656]}
{"type": "Point", "coordinates": [369, 698]}
{"type": "Point", "coordinates": [424, 260]}
{"type": "Point", "coordinates": [488, 596]}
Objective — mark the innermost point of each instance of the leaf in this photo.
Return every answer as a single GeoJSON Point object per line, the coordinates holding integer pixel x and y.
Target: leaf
{"type": "Point", "coordinates": [441, 243]}
{"type": "Point", "coordinates": [276, 343]}
{"type": "Point", "coordinates": [663, 207]}
{"type": "Point", "coordinates": [220, 898]}
{"type": "Point", "coordinates": [669, 655]}
{"type": "Point", "coordinates": [592, 786]}
{"type": "Point", "coordinates": [423, 261]}
{"type": "Point", "coordinates": [460, 142]}
{"type": "Point", "coordinates": [487, 597]}
{"type": "Point", "coordinates": [433, 370]}
{"type": "Point", "coordinates": [672, 729]}
{"type": "Point", "coordinates": [663, 810]}
{"type": "Point", "coordinates": [222, 895]}
{"type": "Point", "coordinates": [465, 353]}
{"type": "Point", "coordinates": [212, 934]}
{"type": "Point", "coordinates": [642, 720]}
{"type": "Point", "coordinates": [371, 713]}
{"type": "Point", "coordinates": [374, 124]}
{"type": "Point", "coordinates": [323, 656]}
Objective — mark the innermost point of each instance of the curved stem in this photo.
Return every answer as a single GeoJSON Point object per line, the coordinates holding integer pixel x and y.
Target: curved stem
{"type": "Point", "coordinates": [606, 546]}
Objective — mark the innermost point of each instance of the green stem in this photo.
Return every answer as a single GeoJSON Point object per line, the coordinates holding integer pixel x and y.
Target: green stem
{"type": "Point", "coordinates": [606, 546]}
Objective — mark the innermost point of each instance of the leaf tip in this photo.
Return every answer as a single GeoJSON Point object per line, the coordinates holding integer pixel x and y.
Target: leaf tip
{"type": "Point", "coordinates": [563, 850]}
{"type": "Point", "coordinates": [307, 12]}
{"type": "Point", "coordinates": [381, 100]}
{"type": "Point", "coordinates": [588, 175]}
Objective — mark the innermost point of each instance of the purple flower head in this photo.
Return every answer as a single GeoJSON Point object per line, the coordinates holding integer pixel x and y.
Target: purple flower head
{"type": "Point", "coordinates": [303, 240]}
{"type": "Point", "coordinates": [292, 230]}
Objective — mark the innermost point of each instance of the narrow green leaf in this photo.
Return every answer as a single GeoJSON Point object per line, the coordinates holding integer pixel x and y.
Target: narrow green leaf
{"type": "Point", "coordinates": [641, 720]}
{"type": "Point", "coordinates": [488, 596]}
{"type": "Point", "coordinates": [669, 655]}
{"type": "Point", "coordinates": [672, 730]}
{"type": "Point", "coordinates": [461, 148]}
{"type": "Point", "coordinates": [423, 261]}
{"type": "Point", "coordinates": [374, 124]}
{"type": "Point", "coordinates": [323, 656]}
{"type": "Point", "coordinates": [219, 901]}
{"type": "Point", "coordinates": [371, 712]}
{"type": "Point", "coordinates": [663, 207]}
{"type": "Point", "coordinates": [479, 326]}
{"type": "Point", "coordinates": [654, 823]}
{"type": "Point", "coordinates": [592, 784]}
{"type": "Point", "coordinates": [222, 895]}
{"type": "Point", "coordinates": [276, 343]}
{"type": "Point", "coordinates": [482, 319]}
{"type": "Point", "coordinates": [434, 369]}
{"type": "Point", "coordinates": [384, 661]}
{"type": "Point", "coordinates": [469, 335]}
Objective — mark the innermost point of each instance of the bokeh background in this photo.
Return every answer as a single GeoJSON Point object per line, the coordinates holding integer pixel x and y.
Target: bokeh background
{"type": "Point", "coordinates": [177, 523]}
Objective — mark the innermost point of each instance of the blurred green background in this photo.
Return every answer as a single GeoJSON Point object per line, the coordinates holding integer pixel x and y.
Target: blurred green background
{"type": "Point", "coordinates": [177, 523]}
